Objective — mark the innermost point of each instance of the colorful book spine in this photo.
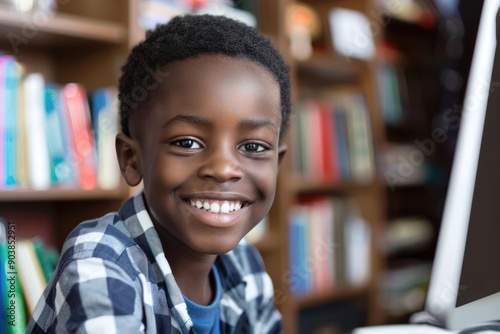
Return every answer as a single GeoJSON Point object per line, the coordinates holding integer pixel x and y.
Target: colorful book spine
{"type": "Point", "coordinates": [38, 151]}
{"type": "Point", "coordinates": [31, 274]}
{"type": "Point", "coordinates": [80, 130]}
{"type": "Point", "coordinates": [62, 166]}
{"type": "Point", "coordinates": [334, 139]}
{"type": "Point", "coordinates": [23, 178]}
{"type": "Point", "coordinates": [12, 74]}
{"type": "Point", "coordinates": [105, 124]}
{"type": "Point", "coordinates": [3, 60]}
{"type": "Point", "coordinates": [46, 135]}
{"type": "Point", "coordinates": [15, 316]}
{"type": "Point", "coordinates": [329, 245]}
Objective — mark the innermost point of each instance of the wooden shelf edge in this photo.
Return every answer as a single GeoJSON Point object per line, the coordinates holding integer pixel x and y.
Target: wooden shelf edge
{"type": "Point", "coordinates": [266, 243]}
{"type": "Point", "coordinates": [333, 294]}
{"type": "Point", "coordinates": [61, 25]}
{"type": "Point", "coordinates": [304, 185]}
{"type": "Point", "coordinates": [61, 194]}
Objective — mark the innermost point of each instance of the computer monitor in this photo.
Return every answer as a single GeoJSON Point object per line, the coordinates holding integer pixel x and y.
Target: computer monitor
{"type": "Point", "coordinates": [465, 282]}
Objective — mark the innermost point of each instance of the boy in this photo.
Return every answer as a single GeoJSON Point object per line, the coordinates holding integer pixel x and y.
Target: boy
{"type": "Point", "coordinates": [204, 104]}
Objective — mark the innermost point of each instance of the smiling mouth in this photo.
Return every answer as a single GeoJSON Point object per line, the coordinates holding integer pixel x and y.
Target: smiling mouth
{"type": "Point", "coordinates": [215, 206]}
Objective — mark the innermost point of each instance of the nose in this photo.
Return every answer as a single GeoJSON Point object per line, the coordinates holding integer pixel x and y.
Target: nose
{"type": "Point", "coordinates": [222, 165]}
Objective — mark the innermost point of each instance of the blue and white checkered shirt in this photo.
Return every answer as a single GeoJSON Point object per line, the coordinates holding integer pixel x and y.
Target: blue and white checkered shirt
{"type": "Point", "coordinates": [114, 278]}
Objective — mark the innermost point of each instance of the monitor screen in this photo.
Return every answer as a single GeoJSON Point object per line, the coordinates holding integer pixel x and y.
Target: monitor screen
{"type": "Point", "coordinates": [465, 282]}
{"type": "Point", "coordinates": [480, 276]}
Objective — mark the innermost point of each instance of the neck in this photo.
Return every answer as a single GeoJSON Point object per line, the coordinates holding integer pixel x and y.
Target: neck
{"type": "Point", "coordinates": [190, 269]}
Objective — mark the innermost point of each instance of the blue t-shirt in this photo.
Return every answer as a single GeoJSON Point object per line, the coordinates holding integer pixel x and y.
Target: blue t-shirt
{"type": "Point", "coordinates": [206, 318]}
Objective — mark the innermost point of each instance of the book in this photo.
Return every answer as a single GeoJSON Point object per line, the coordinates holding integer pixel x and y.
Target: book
{"type": "Point", "coordinates": [11, 72]}
{"type": "Point", "coordinates": [23, 178]}
{"type": "Point", "coordinates": [331, 170]}
{"type": "Point", "coordinates": [47, 257]}
{"type": "Point", "coordinates": [62, 162]}
{"type": "Point", "coordinates": [342, 143]}
{"type": "Point", "coordinates": [105, 125]}
{"type": "Point", "coordinates": [5, 60]}
{"type": "Point", "coordinates": [360, 137]}
{"type": "Point", "coordinates": [31, 274]}
{"type": "Point", "coordinates": [38, 152]}
{"type": "Point", "coordinates": [15, 315]}
{"type": "Point", "coordinates": [3, 281]}
{"type": "Point", "coordinates": [80, 130]}
{"type": "Point", "coordinates": [357, 240]}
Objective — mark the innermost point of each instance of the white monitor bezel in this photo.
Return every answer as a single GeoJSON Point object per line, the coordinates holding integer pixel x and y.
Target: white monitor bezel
{"type": "Point", "coordinates": [445, 279]}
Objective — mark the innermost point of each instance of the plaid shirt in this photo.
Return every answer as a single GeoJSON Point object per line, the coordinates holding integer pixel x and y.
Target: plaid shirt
{"type": "Point", "coordinates": [114, 278]}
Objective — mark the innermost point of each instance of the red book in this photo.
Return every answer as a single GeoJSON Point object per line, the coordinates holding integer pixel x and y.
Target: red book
{"type": "Point", "coordinates": [330, 166]}
{"type": "Point", "coordinates": [314, 140]}
{"type": "Point", "coordinates": [80, 132]}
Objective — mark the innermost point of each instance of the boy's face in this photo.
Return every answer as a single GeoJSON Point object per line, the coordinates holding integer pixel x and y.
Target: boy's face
{"type": "Point", "coordinates": [209, 138]}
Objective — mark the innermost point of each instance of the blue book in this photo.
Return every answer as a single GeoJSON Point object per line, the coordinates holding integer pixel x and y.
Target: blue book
{"type": "Point", "coordinates": [342, 142]}
{"type": "Point", "coordinates": [105, 127]}
{"type": "Point", "coordinates": [11, 77]}
{"type": "Point", "coordinates": [303, 250]}
{"type": "Point", "coordinates": [296, 277]}
{"type": "Point", "coordinates": [3, 282]}
{"type": "Point", "coordinates": [60, 154]}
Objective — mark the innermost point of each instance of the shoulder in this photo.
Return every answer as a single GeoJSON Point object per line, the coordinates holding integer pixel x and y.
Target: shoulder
{"type": "Point", "coordinates": [104, 238]}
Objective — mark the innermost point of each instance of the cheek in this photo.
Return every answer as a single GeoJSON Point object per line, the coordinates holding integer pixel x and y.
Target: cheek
{"type": "Point", "coordinates": [265, 180]}
{"type": "Point", "coordinates": [167, 173]}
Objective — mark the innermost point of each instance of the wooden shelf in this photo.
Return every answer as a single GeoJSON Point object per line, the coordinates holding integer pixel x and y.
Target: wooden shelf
{"type": "Point", "coordinates": [326, 69]}
{"type": "Point", "coordinates": [337, 293]}
{"type": "Point", "coordinates": [266, 244]}
{"type": "Point", "coordinates": [60, 194]}
{"type": "Point", "coordinates": [304, 186]}
{"type": "Point", "coordinates": [59, 29]}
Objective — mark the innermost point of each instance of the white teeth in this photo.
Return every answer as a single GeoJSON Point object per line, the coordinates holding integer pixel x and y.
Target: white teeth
{"type": "Point", "coordinates": [224, 207]}
{"type": "Point", "coordinates": [216, 206]}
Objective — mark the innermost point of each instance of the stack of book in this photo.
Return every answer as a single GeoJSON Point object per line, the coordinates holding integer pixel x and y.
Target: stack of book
{"type": "Point", "coordinates": [26, 267]}
{"type": "Point", "coordinates": [48, 136]}
{"type": "Point", "coordinates": [333, 139]}
{"type": "Point", "coordinates": [329, 245]}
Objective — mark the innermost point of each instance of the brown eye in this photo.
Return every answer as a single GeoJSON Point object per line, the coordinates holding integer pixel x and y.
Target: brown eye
{"type": "Point", "coordinates": [188, 143]}
{"type": "Point", "coordinates": [253, 147]}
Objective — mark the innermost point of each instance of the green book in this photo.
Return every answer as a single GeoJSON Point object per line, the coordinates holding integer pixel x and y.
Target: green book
{"type": "Point", "coordinates": [47, 258]}
{"type": "Point", "coordinates": [14, 308]}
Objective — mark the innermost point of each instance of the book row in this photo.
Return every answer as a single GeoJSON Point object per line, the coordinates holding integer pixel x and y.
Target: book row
{"type": "Point", "coordinates": [26, 267]}
{"type": "Point", "coordinates": [329, 245]}
{"type": "Point", "coordinates": [332, 139]}
{"type": "Point", "coordinates": [50, 135]}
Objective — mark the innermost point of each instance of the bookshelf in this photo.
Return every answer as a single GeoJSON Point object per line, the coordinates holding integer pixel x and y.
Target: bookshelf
{"type": "Point", "coordinates": [419, 52]}
{"type": "Point", "coordinates": [83, 42]}
{"type": "Point", "coordinates": [325, 70]}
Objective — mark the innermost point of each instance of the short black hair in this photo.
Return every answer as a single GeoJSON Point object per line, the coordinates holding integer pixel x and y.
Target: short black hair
{"type": "Point", "coordinates": [190, 36]}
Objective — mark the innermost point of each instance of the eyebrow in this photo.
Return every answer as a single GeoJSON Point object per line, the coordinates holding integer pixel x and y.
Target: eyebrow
{"type": "Point", "coordinates": [192, 120]}
{"type": "Point", "coordinates": [252, 124]}
{"type": "Point", "coordinates": [248, 124]}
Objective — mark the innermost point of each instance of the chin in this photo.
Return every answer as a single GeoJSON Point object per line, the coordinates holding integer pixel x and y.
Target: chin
{"type": "Point", "coordinates": [217, 247]}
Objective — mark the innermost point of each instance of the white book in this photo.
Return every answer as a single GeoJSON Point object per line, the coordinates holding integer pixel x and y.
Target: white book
{"type": "Point", "coordinates": [38, 152]}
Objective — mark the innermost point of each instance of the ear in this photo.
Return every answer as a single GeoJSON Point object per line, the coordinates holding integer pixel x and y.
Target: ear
{"type": "Point", "coordinates": [127, 152]}
{"type": "Point", "coordinates": [281, 152]}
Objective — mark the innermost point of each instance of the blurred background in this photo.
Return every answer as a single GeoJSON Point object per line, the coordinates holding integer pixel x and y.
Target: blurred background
{"type": "Point", "coordinates": [378, 88]}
